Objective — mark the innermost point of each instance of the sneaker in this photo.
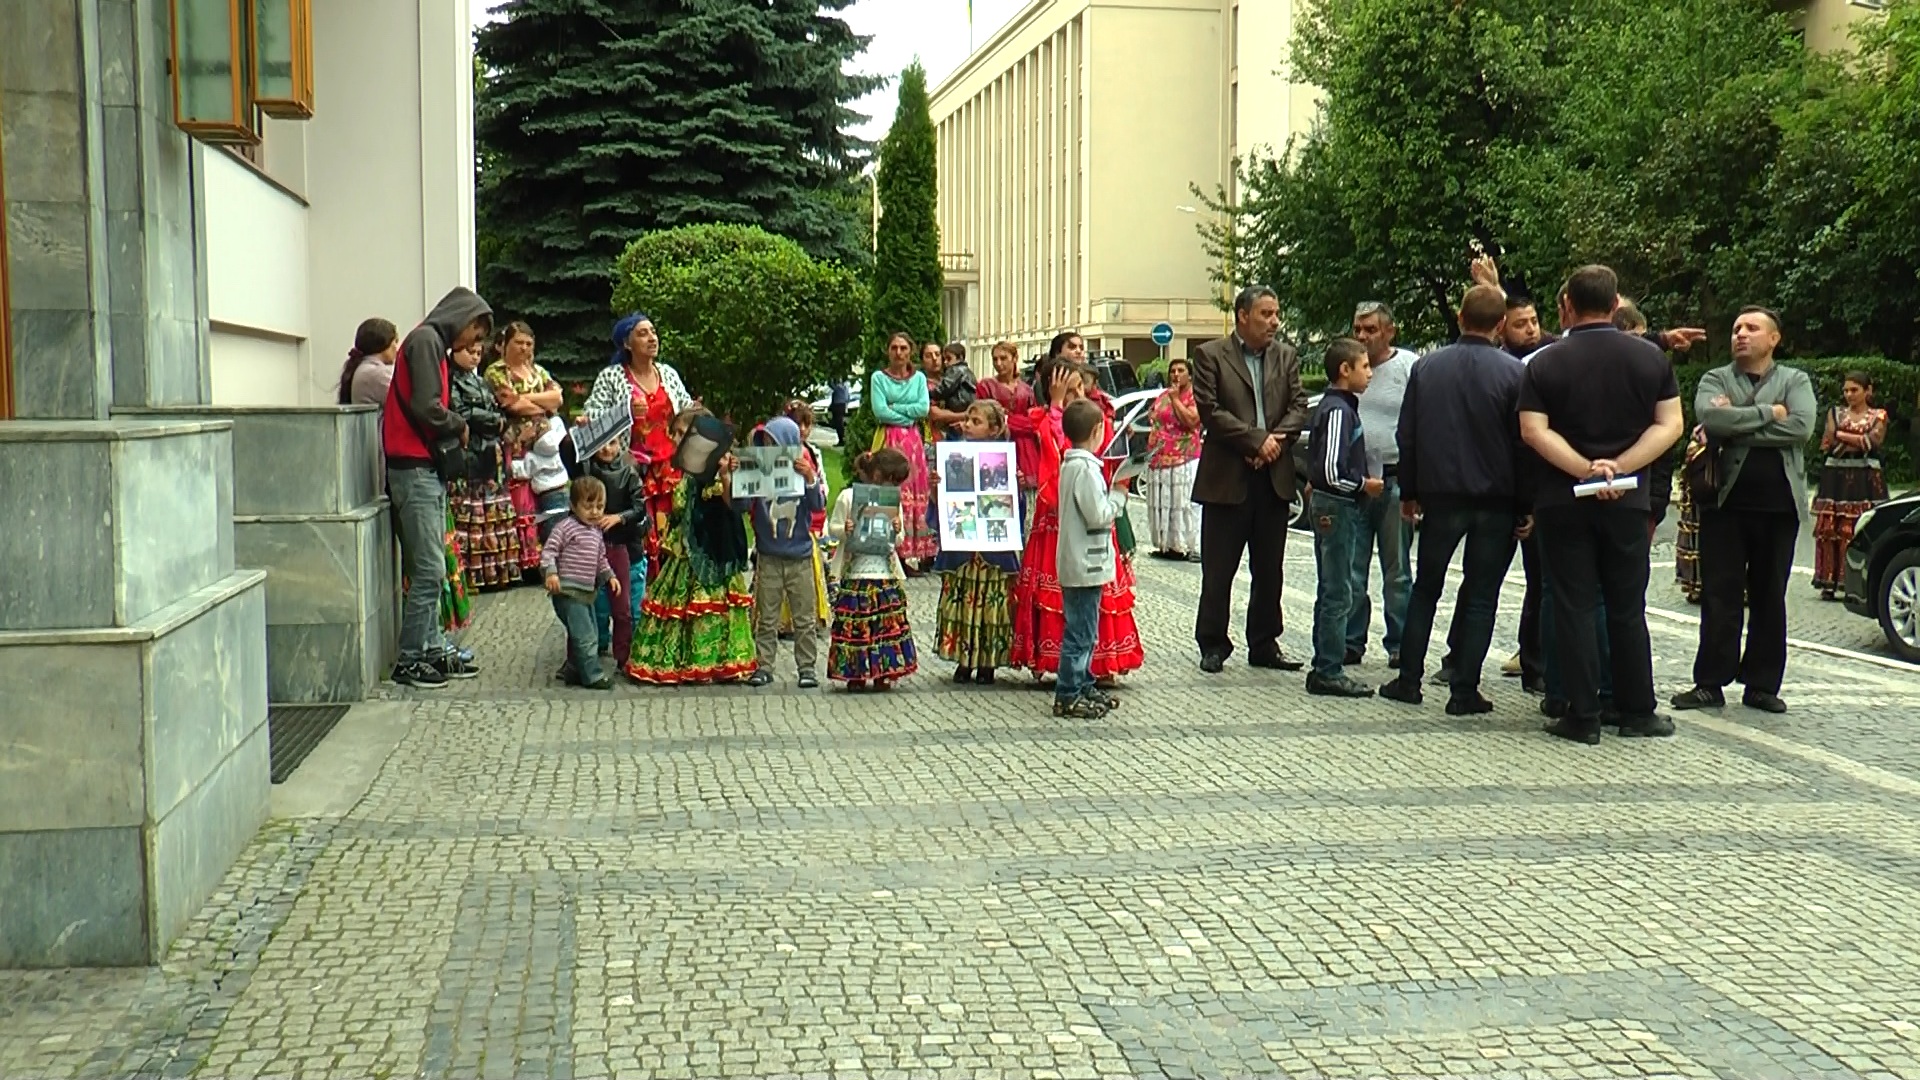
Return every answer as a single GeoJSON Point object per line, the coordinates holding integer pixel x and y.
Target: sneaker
{"type": "Point", "coordinates": [808, 681]}
{"type": "Point", "coordinates": [466, 656]}
{"type": "Point", "coordinates": [1650, 726]}
{"type": "Point", "coordinates": [1764, 701]}
{"type": "Point", "coordinates": [602, 683]}
{"type": "Point", "coordinates": [1472, 703]}
{"type": "Point", "coordinates": [1107, 701]}
{"type": "Point", "coordinates": [566, 674]}
{"type": "Point", "coordinates": [1339, 686]}
{"type": "Point", "coordinates": [453, 667]}
{"type": "Point", "coordinates": [420, 675]}
{"type": "Point", "coordinates": [760, 677]}
{"type": "Point", "coordinates": [1700, 697]}
{"type": "Point", "coordinates": [1511, 669]}
{"type": "Point", "coordinates": [1402, 691]}
{"type": "Point", "coordinates": [1082, 708]}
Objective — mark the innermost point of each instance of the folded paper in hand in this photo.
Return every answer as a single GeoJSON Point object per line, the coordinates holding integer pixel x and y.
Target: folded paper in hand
{"type": "Point", "coordinates": [1595, 487]}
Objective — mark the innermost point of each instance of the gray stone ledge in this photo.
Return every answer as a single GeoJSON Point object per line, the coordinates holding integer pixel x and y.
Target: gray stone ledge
{"type": "Point", "coordinates": [365, 513]}
{"type": "Point", "coordinates": [246, 410]}
{"type": "Point", "coordinates": [157, 625]}
{"type": "Point", "coordinates": [36, 431]}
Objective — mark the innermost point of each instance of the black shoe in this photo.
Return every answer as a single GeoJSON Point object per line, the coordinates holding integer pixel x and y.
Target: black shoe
{"type": "Point", "coordinates": [1402, 691]}
{"type": "Point", "coordinates": [983, 676]}
{"type": "Point", "coordinates": [466, 657]}
{"type": "Point", "coordinates": [1213, 663]}
{"type": "Point", "coordinates": [760, 677]}
{"type": "Point", "coordinates": [808, 681]}
{"type": "Point", "coordinates": [963, 676]}
{"type": "Point", "coordinates": [1083, 708]}
{"type": "Point", "coordinates": [1533, 684]}
{"type": "Point", "coordinates": [1473, 703]}
{"type": "Point", "coordinates": [1650, 726]}
{"type": "Point", "coordinates": [1102, 698]}
{"type": "Point", "coordinates": [602, 683]}
{"type": "Point", "coordinates": [1193, 556]}
{"type": "Point", "coordinates": [1443, 677]}
{"type": "Point", "coordinates": [420, 675]}
{"type": "Point", "coordinates": [1342, 686]}
{"type": "Point", "coordinates": [1553, 708]}
{"type": "Point", "coordinates": [566, 674]}
{"type": "Point", "coordinates": [1352, 658]}
{"type": "Point", "coordinates": [1699, 697]}
{"type": "Point", "coordinates": [1393, 660]}
{"type": "Point", "coordinates": [453, 667]}
{"type": "Point", "coordinates": [1278, 660]}
{"type": "Point", "coordinates": [1574, 729]}
{"type": "Point", "coordinates": [1764, 701]}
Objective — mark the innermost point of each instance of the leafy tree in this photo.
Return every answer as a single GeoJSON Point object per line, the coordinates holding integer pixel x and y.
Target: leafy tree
{"type": "Point", "coordinates": [604, 119]}
{"type": "Point", "coordinates": [906, 270]}
{"type": "Point", "coordinates": [749, 318]}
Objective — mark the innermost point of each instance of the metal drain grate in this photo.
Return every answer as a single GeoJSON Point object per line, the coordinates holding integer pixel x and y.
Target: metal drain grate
{"type": "Point", "coordinates": [294, 730]}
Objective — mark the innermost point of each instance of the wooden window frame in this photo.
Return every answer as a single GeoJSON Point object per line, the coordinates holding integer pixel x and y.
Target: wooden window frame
{"type": "Point", "coordinates": [300, 31]}
{"type": "Point", "coordinates": [240, 130]}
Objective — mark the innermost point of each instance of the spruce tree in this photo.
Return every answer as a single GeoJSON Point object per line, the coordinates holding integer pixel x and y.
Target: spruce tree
{"type": "Point", "coordinates": [906, 265]}
{"type": "Point", "coordinates": [601, 120]}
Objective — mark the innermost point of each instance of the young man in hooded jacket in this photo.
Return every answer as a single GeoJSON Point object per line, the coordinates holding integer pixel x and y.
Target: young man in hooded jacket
{"type": "Point", "coordinates": [424, 441]}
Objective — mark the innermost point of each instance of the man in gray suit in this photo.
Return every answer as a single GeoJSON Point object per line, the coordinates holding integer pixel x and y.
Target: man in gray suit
{"type": "Point", "coordinates": [1247, 387]}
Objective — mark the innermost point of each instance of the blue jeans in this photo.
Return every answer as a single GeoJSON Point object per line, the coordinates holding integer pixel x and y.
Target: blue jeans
{"type": "Point", "coordinates": [1081, 606]}
{"type": "Point", "coordinates": [1550, 662]}
{"type": "Point", "coordinates": [1489, 538]}
{"type": "Point", "coordinates": [1336, 528]}
{"type": "Point", "coordinates": [420, 512]}
{"type": "Point", "coordinates": [583, 647]}
{"type": "Point", "coordinates": [1380, 530]}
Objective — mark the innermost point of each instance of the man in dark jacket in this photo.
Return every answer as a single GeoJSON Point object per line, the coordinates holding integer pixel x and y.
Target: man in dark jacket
{"type": "Point", "coordinates": [1461, 464]}
{"type": "Point", "coordinates": [423, 440]}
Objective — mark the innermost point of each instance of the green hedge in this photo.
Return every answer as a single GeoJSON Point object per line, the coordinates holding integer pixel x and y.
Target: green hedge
{"type": "Point", "coordinates": [1895, 388]}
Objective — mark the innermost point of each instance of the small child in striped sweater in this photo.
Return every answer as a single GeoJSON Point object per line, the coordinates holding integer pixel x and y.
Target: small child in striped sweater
{"type": "Point", "coordinates": [574, 562]}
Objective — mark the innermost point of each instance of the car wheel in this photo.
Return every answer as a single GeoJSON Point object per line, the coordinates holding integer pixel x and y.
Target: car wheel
{"type": "Point", "coordinates": [1900, 604]}
{"type": "Point", "coordinates": [1299, 522]}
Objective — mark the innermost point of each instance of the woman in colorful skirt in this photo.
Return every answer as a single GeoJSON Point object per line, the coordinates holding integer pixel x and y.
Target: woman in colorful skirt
{"type": "Point", "coordinates": [1686, 544]}
{"type": "Point", "coordinates": [1851, 482]}
{"type": "Point", "coordinates": [696, 624]}
{"type": "Point", "coordinates": [871, 643]}
{"type": "Point", "coordinates": [1039, 619]}
{"type": "Point", "coordinates": [898, 397]}
{"type": "Point", "coordinates": [1173, 461]}
{"type": "Point", "coordinates": [975, 626]}
{"type": "Point", "coordinates": [656, 395]}
{"type": "Point", "coordinates": [483, 514]}
{"type": "Point", "coordinates": [527, 396]}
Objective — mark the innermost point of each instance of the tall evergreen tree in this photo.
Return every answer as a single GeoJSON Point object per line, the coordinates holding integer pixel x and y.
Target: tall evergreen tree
{"type": "Point", "coordinates": [604, 119]}
{"type": "Point", "coordinates": [906, 262]}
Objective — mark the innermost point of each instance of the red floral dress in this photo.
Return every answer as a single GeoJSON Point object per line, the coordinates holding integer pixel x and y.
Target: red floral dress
{"type": "Point", "coordinates": [1039, 618]}
{"type": "Point", "coordinates": [651, 442]}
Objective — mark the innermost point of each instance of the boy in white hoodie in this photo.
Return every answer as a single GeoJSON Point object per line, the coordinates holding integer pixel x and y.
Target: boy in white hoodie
{"type": "Point", "coordinates": [545, 468]}
{"type": "Point", "coordinates": [1085, 557]}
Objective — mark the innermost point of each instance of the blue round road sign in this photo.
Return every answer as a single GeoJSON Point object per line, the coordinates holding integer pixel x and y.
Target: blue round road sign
{"type": "Point", "coordinates": [1163, 334]}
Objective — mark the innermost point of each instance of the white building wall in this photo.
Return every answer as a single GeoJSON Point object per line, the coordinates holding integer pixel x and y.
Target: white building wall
{"type": "Point", "coordinates": [257, 284]}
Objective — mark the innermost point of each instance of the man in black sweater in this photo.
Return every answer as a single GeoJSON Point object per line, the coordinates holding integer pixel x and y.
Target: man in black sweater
{"type": "Point", "coordinates": [1461, 470]}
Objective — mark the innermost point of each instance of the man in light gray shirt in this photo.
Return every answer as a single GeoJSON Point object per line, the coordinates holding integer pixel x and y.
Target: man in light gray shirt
{"type": "Point", "coordinates": [1381, 530]}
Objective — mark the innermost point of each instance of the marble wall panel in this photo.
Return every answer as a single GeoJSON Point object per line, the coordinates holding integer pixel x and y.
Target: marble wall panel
{"type": "Point", "coordinates": [190, 849]}
{"type": "Point", "coordinates": [72, 719]}
{"type": "Point", "coordinates": [56, 498]}
{"type": "Point", "coordinates": [207, 694]}
{"type": "Point", "coordinates": [167, 520]}
{"type": "Point", "coordinates": [314, 572]}
{"type": "Point", "coordinates": [73, 898]}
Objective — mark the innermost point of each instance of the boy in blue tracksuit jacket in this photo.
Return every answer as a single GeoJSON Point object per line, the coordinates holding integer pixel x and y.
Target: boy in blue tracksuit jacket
{"type": "Point", "coordinates": [1337, 457]}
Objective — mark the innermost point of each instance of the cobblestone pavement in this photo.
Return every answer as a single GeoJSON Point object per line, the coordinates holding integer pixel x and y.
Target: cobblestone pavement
{"type": "Point", "coordinates": [1225, 878]}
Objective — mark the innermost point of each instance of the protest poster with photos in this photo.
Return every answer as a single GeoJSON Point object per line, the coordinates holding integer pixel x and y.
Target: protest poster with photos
{"type": "Point", "coordinates": [767, 472]}
{"type": "Point", "coordinates": [979, 504]}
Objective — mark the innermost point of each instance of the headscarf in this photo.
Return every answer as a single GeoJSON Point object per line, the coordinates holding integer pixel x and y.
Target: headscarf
{"type": "Point", "coordinates": [621, 331]}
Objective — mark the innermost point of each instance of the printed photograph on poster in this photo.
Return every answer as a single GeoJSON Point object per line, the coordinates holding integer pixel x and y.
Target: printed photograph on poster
{"type": "Point", "coordinates": [766, 472]}
{"type": "Point", "coordinates": [979, 509]}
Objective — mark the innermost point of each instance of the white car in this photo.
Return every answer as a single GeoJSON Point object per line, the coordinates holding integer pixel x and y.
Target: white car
{"type": "Point", "coordinates": [821, 398]}
{"type": "Point", "coordinates": [1142, 426]}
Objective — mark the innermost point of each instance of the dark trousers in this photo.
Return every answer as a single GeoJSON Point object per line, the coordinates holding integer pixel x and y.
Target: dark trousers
{"type": "Point", "coordinates": [619, 614]}
{"type": "Point", "coordinates": [1488, 535]}
{"type": "Point", "coordinates": [1257, 527]}
{"type": "Point", "coordinates": [1746, 558]}
{"type": "Point", "coordinates": [1533, 661]}
{"type": "Point", "coordinates": [1594, 550]}
{"type": "Point", "coordinates": [837, 420]}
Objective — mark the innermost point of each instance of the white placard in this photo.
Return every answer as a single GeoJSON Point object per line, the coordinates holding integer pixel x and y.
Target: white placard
{"type": "Point", "coordinates": [1595, 487]}
{"type": "Point", "coordinates": [601, 429]}
{"type": "Point", "coordinates": [979, 504]}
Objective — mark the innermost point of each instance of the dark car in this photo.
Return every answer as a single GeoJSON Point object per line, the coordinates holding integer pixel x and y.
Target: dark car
{"type": "Point", "coordinates": [1883, 572]}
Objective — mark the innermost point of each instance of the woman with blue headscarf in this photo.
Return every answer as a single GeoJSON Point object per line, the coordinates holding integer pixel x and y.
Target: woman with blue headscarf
{"type": "Point", "coordinates": [656, 395]}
